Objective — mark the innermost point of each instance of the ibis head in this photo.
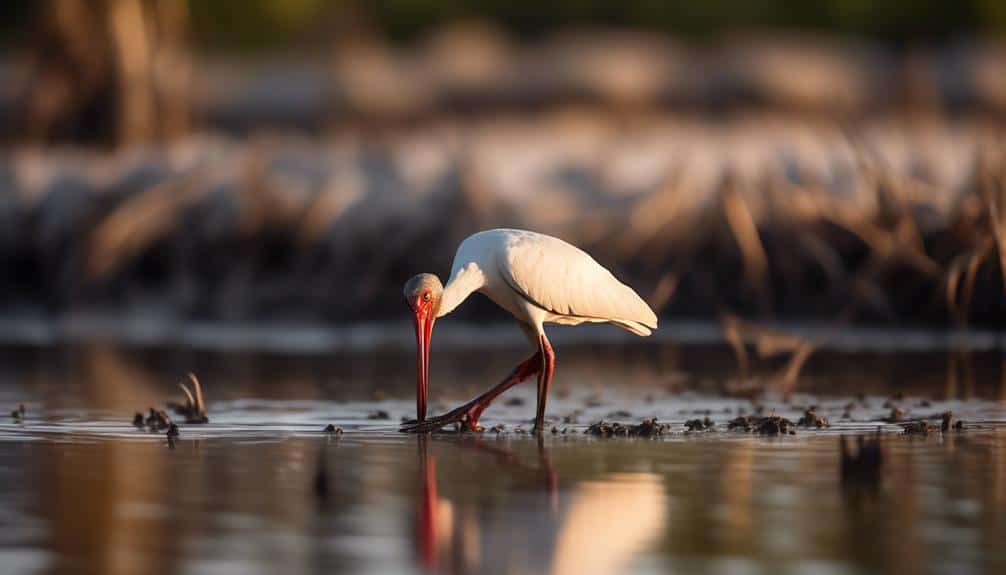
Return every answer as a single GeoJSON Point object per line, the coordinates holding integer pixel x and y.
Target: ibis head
{"type": "Point", "coordinates": [423, 294]}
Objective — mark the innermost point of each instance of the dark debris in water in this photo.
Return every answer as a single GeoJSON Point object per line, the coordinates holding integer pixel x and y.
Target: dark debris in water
{"type": "Point", "coordinates": [812, 419]}
{"type": "Point", "coordinates": [605, 429]}
{"type": "Point", "coordinates": [18, 414]}
{"type": "Point", "coordinates": [648, 428]}
{"type": "Point", "coordinates": [923, 427]}
{"type": "Point", "coordinates": [699, 424]}
{"type": "Point", "coordinates": [333, 430]}
{"type": "Point", "coordinates": [379, 414]}
{"type": "Point", "coordinates": [918, 428]}
{"type": "Point", "coordinates": [194, 408]}
{"type": "Point", "coordinates": [514, 402]}
{"type": "Point", "coordinates": [897, 414]}
{"type": "Point", "coordinates": [157, 420]}
{"type": "Point", "coordinates": [765, 425]}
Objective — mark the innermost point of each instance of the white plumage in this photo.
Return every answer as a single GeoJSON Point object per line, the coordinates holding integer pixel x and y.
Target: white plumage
{"type": "Point", "coordinates": [542, 279]}
{"type": "Point", "coordinates": [537, 278]}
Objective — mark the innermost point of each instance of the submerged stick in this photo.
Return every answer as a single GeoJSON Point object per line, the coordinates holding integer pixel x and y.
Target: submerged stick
{"type": "Point", "coordinates": [194, 409]}
{"type": "Point", "coordinates": [200, 404]}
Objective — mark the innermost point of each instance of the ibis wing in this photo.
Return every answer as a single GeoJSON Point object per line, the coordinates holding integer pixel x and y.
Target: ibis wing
{"type": "Point", "coordinates": [565, 280]}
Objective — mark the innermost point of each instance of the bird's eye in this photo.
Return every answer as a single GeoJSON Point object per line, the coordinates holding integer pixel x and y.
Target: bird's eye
{"type": "Point", "coordinates": [426, 296]}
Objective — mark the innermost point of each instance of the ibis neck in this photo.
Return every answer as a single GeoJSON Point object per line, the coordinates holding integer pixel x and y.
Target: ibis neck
{"type": "Point", "coordinates": [463, 282]}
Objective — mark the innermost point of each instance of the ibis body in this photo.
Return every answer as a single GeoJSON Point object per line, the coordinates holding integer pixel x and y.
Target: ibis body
{"type": "Point", "coordinates": [539, 279]}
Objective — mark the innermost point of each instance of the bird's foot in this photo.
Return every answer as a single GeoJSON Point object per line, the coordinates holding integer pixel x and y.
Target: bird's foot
{"type": "Point", "coordinates": [467, 416]}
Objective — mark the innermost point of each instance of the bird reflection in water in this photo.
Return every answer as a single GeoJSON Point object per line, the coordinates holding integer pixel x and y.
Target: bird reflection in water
{"type": "Point", "coordinates": [598, 528]}
{"type": "Point", "coordinates": [427, 526]}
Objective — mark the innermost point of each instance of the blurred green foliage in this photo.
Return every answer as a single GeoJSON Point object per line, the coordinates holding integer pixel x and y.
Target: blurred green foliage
{"type": "Point", "coordinates": [267, 24]}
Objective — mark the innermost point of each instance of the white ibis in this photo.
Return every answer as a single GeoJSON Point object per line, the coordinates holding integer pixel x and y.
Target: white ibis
{"type": "Point", "coordinates": [537, 278]}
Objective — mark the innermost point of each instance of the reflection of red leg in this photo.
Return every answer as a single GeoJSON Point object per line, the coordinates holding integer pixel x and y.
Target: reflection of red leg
{"type": "Point", "coordinates": [544, 381]}
{"type": "Point", "coordinates": [470, 412]}
{"type": "Point", "coordinates": [548, 470]}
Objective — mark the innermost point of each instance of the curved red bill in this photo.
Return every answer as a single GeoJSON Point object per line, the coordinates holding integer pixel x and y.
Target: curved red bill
{"type": "Point", "coordinates": [424, 329]}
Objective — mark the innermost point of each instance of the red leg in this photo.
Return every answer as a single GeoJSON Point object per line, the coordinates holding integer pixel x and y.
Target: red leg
{"type": "Point", "coordinates": [470, 412]}
{"type": "Point", "coordinates": [544, 381]}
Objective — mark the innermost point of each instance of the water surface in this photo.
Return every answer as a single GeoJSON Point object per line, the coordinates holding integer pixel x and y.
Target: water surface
{"type": "Point", "coordinates": [262, 489]}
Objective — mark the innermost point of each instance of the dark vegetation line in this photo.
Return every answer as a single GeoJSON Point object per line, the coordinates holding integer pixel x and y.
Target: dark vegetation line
{"type": "Point", "coordinates": [281, 229]}
{"type": "Point", "coordinates": [839, 211]}
{"type": "Point", "coordinates": [250, 25]}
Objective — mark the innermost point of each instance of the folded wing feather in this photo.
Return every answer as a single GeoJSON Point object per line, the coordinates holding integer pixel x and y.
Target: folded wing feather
{"type": "Point", "coordinates": [565, 280]}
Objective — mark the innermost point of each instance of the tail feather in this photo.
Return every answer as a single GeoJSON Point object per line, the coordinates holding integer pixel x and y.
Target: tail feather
{"type": "Point", "coordinates": [633, 326]}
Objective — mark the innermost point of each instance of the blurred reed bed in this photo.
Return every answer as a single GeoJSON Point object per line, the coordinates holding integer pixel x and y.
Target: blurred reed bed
{"type": "Point", "coordinates": [74, 89]}
{"type": "Point", "coordinates": [474, 70]}
{"type": "Point", "coordinates": [873, 221]}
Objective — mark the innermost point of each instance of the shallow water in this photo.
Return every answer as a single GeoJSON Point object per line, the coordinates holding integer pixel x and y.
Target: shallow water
{"type": "Point", "coordinates": [262, 489]}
